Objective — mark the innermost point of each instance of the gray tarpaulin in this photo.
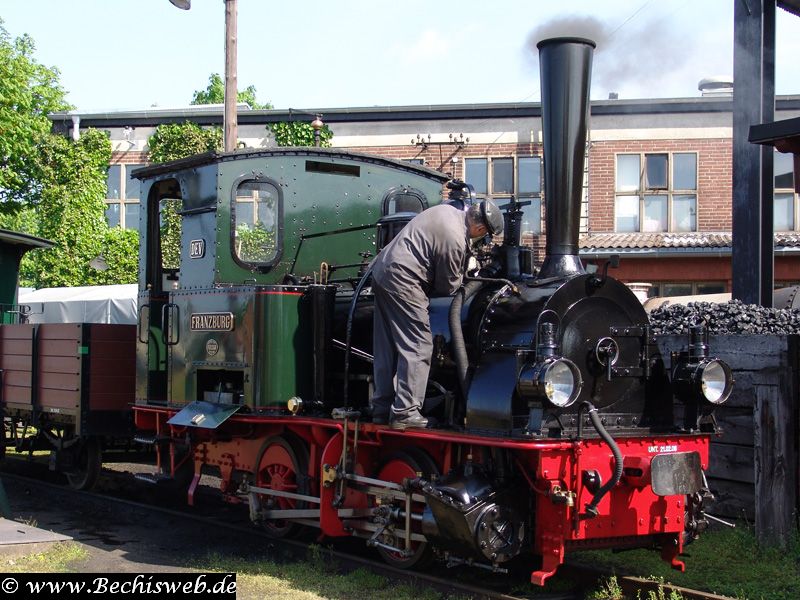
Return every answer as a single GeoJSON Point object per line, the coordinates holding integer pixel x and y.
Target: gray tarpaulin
{"type": "Point", "coordinates": [91, 304]}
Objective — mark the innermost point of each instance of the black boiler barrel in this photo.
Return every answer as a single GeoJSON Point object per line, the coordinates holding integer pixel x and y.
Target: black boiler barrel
{"type": "Point", "coordinates": [565, 67]}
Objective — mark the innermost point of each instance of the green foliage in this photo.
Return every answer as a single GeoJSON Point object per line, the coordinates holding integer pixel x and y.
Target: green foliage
{"type": "Point", "coordinates": [28, 92]}
{"type": "Point", "coordinates": [71, 212]}
{"type": "Point", "coordinates": [215, 94]}
{"type": "Point", "coordinates": [299, 133]}
{"type": "Point", "coordinates": [179, 140]}
{"type": "Point", "coordinates": [52, 186]}
{"type": "Point", "coordinates": [62, 557]}
{"type": "Point", "coordinates": [318, 577]}
{"type": "Point", "coordinates": [255, 244]}
{"type": "Point", "coordinates": [170, 232]}
{"type": "Point", "coordinates": [609, 590]}
{"type": "Point", "coordinates": [121, 253]}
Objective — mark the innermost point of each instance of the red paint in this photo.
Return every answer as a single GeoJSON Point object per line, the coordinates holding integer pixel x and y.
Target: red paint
{"type": "Point", "coordinates": [628, 515]}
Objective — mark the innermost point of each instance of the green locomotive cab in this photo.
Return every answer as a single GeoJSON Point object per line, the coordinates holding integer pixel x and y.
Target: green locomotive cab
{"type": "Point", "coordinates": [240, 251]}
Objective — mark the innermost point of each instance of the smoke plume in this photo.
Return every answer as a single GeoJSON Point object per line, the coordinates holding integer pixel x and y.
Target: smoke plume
{"type": "Point", "coordinates": [634, 55]}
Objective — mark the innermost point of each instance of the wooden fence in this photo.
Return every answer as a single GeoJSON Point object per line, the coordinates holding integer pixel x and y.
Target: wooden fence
{"type": "Point", "coordinates": [754, 464]}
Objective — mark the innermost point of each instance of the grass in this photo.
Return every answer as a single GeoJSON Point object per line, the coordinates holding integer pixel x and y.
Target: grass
{"type": "Point", "coordinates": [724, 561]}
{"type": "Point", "coordinates": [611, 590]}
{"type": "Point", "coordinates": [58, 559]}
{"type": "Point", "coordinates": [315, 578]}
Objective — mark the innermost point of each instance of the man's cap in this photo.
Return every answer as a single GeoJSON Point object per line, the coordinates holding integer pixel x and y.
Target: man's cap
{"type": "Point", "coordinates": [492, 217]}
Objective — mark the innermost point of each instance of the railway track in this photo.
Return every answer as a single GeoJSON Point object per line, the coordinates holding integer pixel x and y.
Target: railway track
{"type": "Point", "coordinates": [459, 581]}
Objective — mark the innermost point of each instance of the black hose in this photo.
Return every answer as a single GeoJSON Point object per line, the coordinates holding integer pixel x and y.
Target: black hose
{"type": "Point", "coordinates": [457, 333]}
{"type": "Point", "coordinates": [349, 331]}
{"type": "Point", "coordinates": [591, 508]}
{"type": "Point", "coordinates": [512, 286]}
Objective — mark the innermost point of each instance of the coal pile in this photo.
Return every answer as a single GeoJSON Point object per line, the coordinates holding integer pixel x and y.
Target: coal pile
{"type": "Point", "coordinates": [729, 317]}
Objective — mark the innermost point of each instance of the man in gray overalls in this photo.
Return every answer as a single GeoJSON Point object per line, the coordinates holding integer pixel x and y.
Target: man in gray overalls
{"type": "Point", "coordinates": [427, 258]}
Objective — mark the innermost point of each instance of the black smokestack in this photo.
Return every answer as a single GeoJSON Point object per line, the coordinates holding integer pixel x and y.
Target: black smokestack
{"type": "Point", "coordinates": [565, 67]}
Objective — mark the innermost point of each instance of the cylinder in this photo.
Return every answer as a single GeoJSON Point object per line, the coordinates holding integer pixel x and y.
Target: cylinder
{"type": "Point", "coordinates": [565, 67]}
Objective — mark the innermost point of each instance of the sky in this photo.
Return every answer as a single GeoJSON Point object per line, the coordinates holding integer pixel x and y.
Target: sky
{"type": "Point", "coordinates": [304, 54]}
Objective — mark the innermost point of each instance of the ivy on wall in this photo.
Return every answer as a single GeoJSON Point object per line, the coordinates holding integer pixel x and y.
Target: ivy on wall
{"type": "Point", "coordinates": [299, 133]}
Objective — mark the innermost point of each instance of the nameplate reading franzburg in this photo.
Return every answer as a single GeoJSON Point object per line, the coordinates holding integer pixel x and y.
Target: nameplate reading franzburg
{"type": "Point", "coordinates": [222, 321]}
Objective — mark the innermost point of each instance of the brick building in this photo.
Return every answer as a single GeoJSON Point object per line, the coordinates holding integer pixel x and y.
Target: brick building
{"type": "Point", "coordinates": [657, 184]}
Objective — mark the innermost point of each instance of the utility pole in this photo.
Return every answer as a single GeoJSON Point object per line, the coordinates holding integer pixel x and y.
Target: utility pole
{"type": "Point", "coordinates": [230, 129]}
{"type": "Point", "coordinates": [231, 125]}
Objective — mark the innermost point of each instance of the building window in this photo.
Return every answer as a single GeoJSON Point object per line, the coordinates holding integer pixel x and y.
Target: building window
{"type": "Point", "coordinates": [122, 198]}
{"type": "Point", "coordinates": [685, 288]}
{"type": "Point", "coordinates": [785, 212]}
{"type": "Point", "coordinates": [255, 222]}
{"type": "Point", "coordinates": [656, 192]}
{"type": "Point", "coordinates": [501, 178]}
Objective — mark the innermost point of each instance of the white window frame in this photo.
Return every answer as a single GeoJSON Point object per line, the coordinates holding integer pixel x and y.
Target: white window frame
{"type": "Point", "coordinates": [502, 197]}
{"type": "Point", "coordinates": [122, 201]}
{"type": "Point", "coordinates": [795, 201]}
{"type": "Point", "coordinates": [670, 192]}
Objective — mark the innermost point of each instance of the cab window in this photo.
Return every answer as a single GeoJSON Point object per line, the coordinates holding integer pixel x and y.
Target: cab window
{"type": "Point", "coordinates": [255, 222]}
{"type": "Point", "coordinates": [403, 200]}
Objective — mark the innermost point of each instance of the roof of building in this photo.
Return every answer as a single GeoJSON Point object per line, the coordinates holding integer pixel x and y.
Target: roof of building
{"type": "Point", "coordinates": [206, 116]}
{"type": "Point", "coordinates": [702, 240]}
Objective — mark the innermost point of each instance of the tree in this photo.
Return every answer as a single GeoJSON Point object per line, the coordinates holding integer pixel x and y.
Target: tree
{"type": "Point", "coordinates": [71, 213]}
{"type": "Point", "coordinates": [179, 140]}
{"type": "Point", "coordinates": [292, 133]}
{"type": "Point", "coordinates": [215, 94]}
{"type": "Point", "coordinates": [28, 93]}
{"type": "Point", "coordinates": [52, 186]}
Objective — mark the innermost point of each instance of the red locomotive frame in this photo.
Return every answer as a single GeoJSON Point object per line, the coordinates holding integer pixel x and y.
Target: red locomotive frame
{"type": "Point", "coordinates": [631, 515]}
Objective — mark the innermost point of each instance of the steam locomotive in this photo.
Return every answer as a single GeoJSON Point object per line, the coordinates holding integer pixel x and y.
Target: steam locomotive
{"type": "Point", "coordinates": [560, 426]}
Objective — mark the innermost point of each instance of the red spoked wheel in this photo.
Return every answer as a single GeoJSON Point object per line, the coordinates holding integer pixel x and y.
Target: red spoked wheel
{"type": "Point", "coordinates": [283, 466]}
{"type": "Point", "coordinates": [407, 464]}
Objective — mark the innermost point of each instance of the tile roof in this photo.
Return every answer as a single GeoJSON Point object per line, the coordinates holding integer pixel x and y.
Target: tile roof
{"type": "Point", "coordinates": [700, 239]}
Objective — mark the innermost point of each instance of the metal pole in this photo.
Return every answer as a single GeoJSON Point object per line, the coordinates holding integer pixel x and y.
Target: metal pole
{"type": "Point", "coordinates": [231, 130]}
{"type": "Point", "coordinates": [748, 77]}
{"type": "Point", "coordinates": [767, 158]}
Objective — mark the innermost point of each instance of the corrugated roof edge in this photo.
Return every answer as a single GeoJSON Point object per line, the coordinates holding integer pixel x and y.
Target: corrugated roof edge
{"type": "Point", "coordinates": [698, 240]}
{"type": "Point", "coordinates": [404, 113]}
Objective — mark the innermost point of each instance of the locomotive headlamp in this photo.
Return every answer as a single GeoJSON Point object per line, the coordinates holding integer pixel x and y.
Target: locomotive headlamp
{"type": "Point", "coordinates": [707, 378]}
{"type": "Point", "coordinates": [554, 379]}
{"type": "Point", "coordinates": [715, 380]}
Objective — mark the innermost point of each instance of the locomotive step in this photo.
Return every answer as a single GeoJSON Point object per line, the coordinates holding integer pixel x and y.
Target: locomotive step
{"type": "Point", "coordinates": [153, 478]}
{"type": "Point", "coordinates": [149, 440]}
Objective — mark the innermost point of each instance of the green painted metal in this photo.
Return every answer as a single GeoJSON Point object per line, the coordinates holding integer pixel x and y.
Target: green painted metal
{"type": "Point", "coordinates": [284, 344]}
{"type": "Point", "coordinates": [329, 202]}
{"type": "Point", "coordinates": [266, 350]}
{"type": "Point", "coordinates": [206, 353]}
{"type": "Point", "coordinates": [13, 246]}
